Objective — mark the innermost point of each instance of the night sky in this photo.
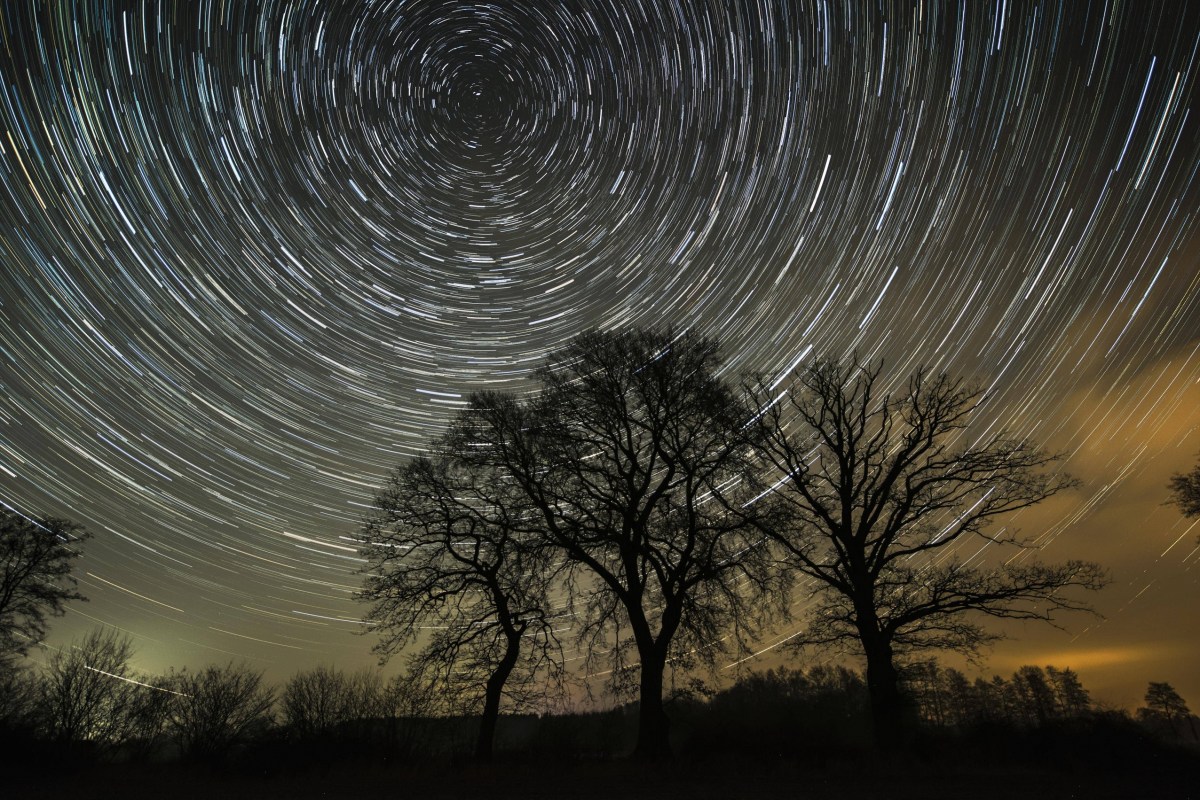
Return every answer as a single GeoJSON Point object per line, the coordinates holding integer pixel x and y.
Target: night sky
{"type": "Point", "coordinates": [254, 255]}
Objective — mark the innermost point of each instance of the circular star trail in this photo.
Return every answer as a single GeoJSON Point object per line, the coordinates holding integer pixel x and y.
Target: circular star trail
{"type": "Point", "coordinates": [255, 254]}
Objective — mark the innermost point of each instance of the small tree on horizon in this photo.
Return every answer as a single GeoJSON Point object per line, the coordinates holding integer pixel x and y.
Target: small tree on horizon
{"type": "Point", "coordinates": [322, 703]}
{"type": "Point", "coordinates": [880, 489]}
{"type": "Point", "coordinates": [85, 691]}
{"type": "Point", "coordinates": [217, 709]}
{"type": "Point", "coordinates": [1166, 708]}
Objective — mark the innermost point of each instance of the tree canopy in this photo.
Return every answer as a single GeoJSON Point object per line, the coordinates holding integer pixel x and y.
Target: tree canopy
{"type": "Point", "coordinates": [662, 514]}
{"type": "Point", "coordinates": [636, 464]}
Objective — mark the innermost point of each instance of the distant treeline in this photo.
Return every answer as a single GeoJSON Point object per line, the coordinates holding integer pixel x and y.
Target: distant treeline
{"type": "Point", "coordinates": [86, 704]}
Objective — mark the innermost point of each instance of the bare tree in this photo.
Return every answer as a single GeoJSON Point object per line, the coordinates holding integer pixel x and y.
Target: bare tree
{"type": "Point", "coordinates": [313, 703]}
{"type": "Point", "coordinates": [882, 489]}
{"type": "Point", "coordinates": [321, 702]}
{"type": "Point", "coordinates": [147, 710]}
{"type": "Point", "coordinates": [451, 560]}
{"type": "Point", "coordinates": [217, 709]}
{"type": "Point", "coordinates": [35, 576]}
{"type": "Point", "coordinates": [637, 461]}
{"type": "Point", "coordinates": [406, 705]}
{"type": "Point", "coordinates": [86, 689]}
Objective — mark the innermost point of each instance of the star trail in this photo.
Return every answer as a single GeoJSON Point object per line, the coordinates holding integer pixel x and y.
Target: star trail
{"type": "Point", "coordinates": [254, 254]}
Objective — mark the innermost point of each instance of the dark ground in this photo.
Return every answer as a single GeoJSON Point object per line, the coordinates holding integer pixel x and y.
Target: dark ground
{"type": "Point", "coordinates": [607, 779]}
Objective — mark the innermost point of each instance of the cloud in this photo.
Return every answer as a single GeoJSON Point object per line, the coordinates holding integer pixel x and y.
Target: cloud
{"type": "Point", "coordinates": [1091, 658]}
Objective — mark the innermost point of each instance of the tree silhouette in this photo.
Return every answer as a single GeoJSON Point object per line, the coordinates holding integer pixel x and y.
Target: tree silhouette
{"type": "Point", "coordinates": [86, 690]}
{"type": "Point", "coordinates": [322, 702]}
{"type": "Point", "coordinates": [1167, 708]}
{"type": "Point", "coordinates": [881, 490]}
{"type": "Point", "coordinates": [18, 698]}
{"type": "Point", "coordinates": [944, 697]}
{"type": "Point", "coordinates": [451, 555]}
{"type": "Point", "coordinates": [1033, 695]}
{"type": "Point", "coordinates": [216, 709]}
{"type": "Point", "coordinates": [1185, 491]}
{"type": "Point", "coordinates": [637, 460]}
{"type": "Point", "coordinates": [35, 576]}
{"type": "Point", "coordinates": [1073, 700]}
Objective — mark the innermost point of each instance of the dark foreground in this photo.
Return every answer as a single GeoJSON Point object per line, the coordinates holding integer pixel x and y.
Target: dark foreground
{"type": "Point", "coordinates": [875, 778]}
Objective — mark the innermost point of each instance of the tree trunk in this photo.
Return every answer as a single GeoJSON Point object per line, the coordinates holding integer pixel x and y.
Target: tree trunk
{"type": "Point", "coordinates": [491, 699]}
{"type": "Point", "coordinates": [883, 687]}
{"type": "Point", "coordinates": [654, 727]}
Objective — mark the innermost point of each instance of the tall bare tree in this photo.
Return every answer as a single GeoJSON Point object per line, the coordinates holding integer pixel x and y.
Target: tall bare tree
{"type": "Point", "coordinates": [452, 560]}
{"type": "Point", "coordinates": [637, 461]}
{"type": "Point", "coordinates": [882, 490]}
{"type": "Point", "coordinates": [35, 576]}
